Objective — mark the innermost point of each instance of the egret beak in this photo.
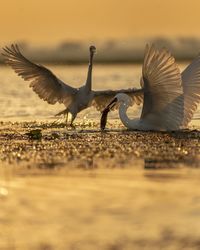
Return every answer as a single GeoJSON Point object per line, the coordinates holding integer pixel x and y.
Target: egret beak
{"type": "Point", "coordinates": [105, 113]}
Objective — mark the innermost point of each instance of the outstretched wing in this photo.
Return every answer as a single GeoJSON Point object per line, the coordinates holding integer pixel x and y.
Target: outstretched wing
{"type": "Point", "coordinates": [191, 89]}
{"type": "Point", "coordinates": [102, 98]}
{"type": "Point", "coordinates": [43, 81]}
{"type": "Point", "coordinates": [163, 102]}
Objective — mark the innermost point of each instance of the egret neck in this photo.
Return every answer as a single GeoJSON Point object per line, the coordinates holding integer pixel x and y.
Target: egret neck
{"type": "Point", "coordinates": [89, 75]}
{"type": "Point", "coordinates": [129, 123]}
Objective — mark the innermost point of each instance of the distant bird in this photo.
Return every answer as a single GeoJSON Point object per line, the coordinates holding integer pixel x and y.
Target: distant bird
{"type": "Point", "coordinates": [170, 98]}
{"type": "Point", "coordinates": [53, 90]}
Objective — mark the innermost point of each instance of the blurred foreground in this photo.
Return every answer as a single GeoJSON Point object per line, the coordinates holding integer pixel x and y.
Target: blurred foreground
{"type": "Point", "coordinates": [85, 189]}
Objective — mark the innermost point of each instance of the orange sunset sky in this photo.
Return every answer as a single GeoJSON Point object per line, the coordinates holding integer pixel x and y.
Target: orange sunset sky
{"type": "Point", "coordinates": [52, 21]}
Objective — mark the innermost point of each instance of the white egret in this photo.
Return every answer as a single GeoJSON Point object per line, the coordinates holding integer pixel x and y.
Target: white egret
{"type": "Point", "coordinates": [53, 90]}
{"type": "Point", "coordinates": [170, 98]}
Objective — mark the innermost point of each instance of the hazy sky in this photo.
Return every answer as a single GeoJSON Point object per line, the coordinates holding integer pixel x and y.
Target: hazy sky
{"type": "Point", "coordinates": [52, 21]}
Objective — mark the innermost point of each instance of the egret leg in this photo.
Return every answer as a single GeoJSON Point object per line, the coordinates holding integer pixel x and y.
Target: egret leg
{"type": "Point", "coordinates": [72, 119]}
{"type": "Point", "coordinates": [66, 117]}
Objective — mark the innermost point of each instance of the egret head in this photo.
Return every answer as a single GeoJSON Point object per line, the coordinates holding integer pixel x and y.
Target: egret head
{"type": "Point", "coordinates": [123, 98]}
{"type": "Point", "coordinates": [92, 49]}
{"type": "Point", "coordinates": [119, 98]}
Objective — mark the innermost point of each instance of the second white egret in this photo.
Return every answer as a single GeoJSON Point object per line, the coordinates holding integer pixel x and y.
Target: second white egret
{"type": "Point", "coordinates": [170, 98]}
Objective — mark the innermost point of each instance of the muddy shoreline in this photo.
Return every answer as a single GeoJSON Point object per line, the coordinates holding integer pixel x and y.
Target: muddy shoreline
{"type": "Point", "coordinates": [57, 145]}
{"type": "Point", "coordinates": [83, 189]}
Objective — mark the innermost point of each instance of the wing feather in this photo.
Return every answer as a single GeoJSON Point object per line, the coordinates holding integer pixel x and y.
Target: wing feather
{"type": "Point", "coordinates": [43, 81]}
{"type": "Point", "coordinates": [191, 89]}
{"type": "Point", "coordinates": [163, 102]}
{"type": "Point", "coordinates": [102, 98]}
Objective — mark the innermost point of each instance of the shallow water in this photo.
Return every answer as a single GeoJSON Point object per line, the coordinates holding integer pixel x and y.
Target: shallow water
{"type": "Point", "coordinates": [101, 209]}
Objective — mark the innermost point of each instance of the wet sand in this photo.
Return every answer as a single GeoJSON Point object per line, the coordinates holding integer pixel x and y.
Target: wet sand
{"type": "Point", "coordinates": [84, 189]}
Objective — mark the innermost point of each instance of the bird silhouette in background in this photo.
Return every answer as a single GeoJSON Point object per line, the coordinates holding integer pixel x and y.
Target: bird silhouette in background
{"type": "Point", "coordinates": [51, 89]}
{"type": "Point", "coordinates": [170, 98]}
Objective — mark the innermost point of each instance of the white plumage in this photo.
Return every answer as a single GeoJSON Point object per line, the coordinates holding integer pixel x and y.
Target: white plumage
{"type": "Point", "coordinates": [170, 98]}
{"type": "Point", "coordinates": [53, 90]}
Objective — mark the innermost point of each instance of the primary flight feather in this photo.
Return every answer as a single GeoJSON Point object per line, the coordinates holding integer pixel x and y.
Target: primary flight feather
{"type": "Point", "coordinates": [51, 89]}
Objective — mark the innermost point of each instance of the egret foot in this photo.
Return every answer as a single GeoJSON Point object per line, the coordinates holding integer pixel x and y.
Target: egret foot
{"type": "Point", "coordinates": [72, 126]}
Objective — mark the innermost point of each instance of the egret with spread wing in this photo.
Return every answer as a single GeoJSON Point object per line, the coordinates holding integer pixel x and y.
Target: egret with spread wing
{"type": "Point", "coordinates": [170, 98]}
{"type": "Point", "coordinates": [53, 90]}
